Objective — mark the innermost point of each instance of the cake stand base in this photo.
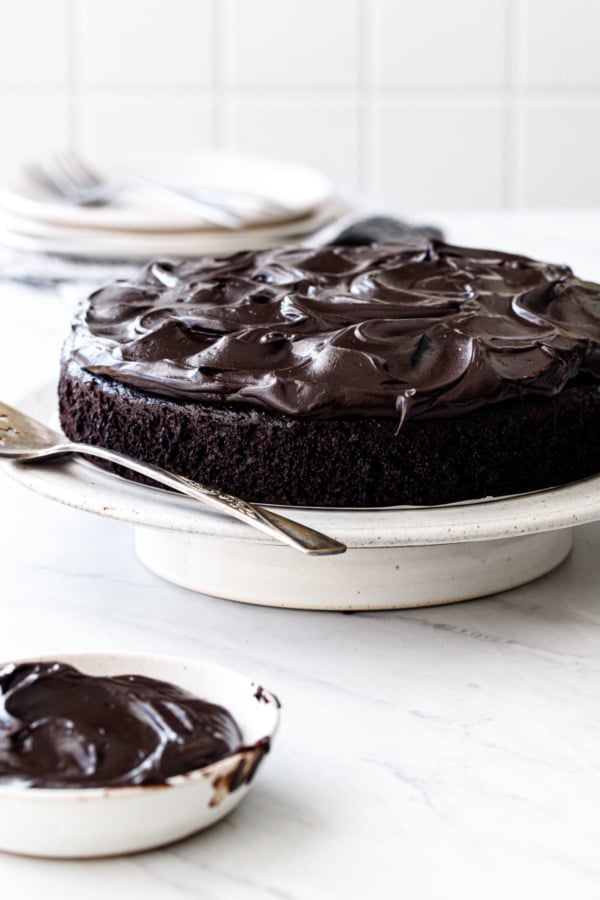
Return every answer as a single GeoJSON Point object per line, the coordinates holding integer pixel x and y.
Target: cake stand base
{"type": "Point", "coordinates": [360, 579]}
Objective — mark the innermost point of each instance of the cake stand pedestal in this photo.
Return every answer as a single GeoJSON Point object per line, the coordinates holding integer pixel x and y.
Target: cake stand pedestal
{"type": "Point", "coordinates": [363, 578]}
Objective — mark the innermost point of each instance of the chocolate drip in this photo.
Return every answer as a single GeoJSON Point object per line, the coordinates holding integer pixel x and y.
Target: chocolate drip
{"type": "Point", "coordinates": [418, 330]}
{"type": "Point", "coordinates": [60, 728]}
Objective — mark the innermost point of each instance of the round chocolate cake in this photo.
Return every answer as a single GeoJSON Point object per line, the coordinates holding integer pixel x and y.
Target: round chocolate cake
{"type": "Point", "coordinates": [388, 374]}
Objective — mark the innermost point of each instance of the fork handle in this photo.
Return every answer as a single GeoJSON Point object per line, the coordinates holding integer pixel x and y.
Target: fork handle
{"type": "Point", "coordinates": [214, 212]}
{"type": "Point", "coordinates": [296, 535]}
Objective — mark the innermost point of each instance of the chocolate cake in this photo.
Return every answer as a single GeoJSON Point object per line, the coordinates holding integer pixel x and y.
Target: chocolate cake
{"type": "Point", "coordinates": [417, 373]}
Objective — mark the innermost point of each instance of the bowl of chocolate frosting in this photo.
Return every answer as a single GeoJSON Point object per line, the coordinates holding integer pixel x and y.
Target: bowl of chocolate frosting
{"type": "Point", "coordinates": [105, 754]}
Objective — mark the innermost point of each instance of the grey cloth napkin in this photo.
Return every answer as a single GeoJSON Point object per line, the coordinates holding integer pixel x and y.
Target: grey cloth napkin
{"type": "Point", "coordinates": [383, 229]}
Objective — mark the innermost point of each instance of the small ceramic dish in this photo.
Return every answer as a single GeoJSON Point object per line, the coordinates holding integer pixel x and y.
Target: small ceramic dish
{"type": "Point", "coordinates": [72, 823]}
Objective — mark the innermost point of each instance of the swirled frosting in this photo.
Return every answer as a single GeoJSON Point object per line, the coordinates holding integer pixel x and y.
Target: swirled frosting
{"type": "Point", "coordinates": [60, 728]}
{"type": "Point", "coordinates": [414, 330]}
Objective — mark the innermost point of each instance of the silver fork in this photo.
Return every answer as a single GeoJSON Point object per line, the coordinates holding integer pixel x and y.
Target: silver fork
{"type": "Point", "coordinates": [67, 175]}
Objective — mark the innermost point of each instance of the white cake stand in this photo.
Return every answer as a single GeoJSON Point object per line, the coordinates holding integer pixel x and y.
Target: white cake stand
{"type": "Point", "coordinates": [396, 557]}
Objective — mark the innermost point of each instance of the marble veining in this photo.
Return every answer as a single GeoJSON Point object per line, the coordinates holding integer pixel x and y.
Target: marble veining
{"type": "Point", "coordinates": [451, 751]}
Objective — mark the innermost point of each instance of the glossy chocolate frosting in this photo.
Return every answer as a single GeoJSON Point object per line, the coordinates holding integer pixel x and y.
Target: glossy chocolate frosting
{"type": "Point", "coordinates": [60, 728]}
{"type": "Point", "coordinates": [415, 330]}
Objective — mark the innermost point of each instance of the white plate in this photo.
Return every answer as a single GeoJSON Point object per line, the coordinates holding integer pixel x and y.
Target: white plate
{"type": "Point", "coordinates": [397, 557]}
{"type": "Point", "coordinates": [106, 821]}
{"type": "Point", "coordinates": [20, 234]}
{"type": "Point", "coordinates": [298, 188]}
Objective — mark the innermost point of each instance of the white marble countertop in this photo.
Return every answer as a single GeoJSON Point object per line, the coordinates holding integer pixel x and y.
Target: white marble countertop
{"type": "Point", "coordinates": [450, 751]}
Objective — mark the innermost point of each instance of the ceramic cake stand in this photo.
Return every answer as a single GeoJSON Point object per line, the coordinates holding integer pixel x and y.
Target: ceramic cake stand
{"type": "Point", "coordinates": [396, 557]}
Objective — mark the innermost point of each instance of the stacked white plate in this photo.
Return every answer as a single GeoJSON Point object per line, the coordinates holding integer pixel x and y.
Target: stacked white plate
{"type": "Point", "coordinates": [138, 225]}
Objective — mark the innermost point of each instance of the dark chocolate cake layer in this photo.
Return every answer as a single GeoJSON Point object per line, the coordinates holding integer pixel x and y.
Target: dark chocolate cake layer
{"type": "Point", "coordinates": [348, 376]}
{"type": "Point", "coordinates": [511, 447]}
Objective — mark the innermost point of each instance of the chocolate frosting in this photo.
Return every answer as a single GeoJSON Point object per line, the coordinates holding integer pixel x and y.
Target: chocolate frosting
{"type": "Point", "coordinates": [60, 728]}
{"type": "Point", "coordinates": [415, 330]}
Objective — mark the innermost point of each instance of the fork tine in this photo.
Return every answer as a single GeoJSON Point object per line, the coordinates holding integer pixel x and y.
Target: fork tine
{"type": "Point", "coordinates": [53, 173]}
{"type": "Point", "coordinates": [69, 171]}
{"type": "Point", "coordinates": [75, 181]}
{"type": "Point", "coordinates": [38, 176]}
{"type": "Point", "coordinates": [81, 171]}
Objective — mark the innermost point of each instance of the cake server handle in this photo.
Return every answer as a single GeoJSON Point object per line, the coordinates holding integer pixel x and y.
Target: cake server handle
{"type": "Point", "coordinates": [25, 439]}
{"type": "Point", "coordinates": [296, 535]}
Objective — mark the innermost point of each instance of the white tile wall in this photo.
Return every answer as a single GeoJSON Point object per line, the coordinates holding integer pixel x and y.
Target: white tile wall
{"type": "Point", "coordinates": [562, 43]}
{"type": "Point", "coordinates": [33, 43]}
{"type": "Point", "coordinates": [439, 43]}
{"type": "Point", "coordinates": [144, 123]}
{"type": "Point", "coordinates": [430, 150]}
{"type": "Point", "coordinates": [32, 125]}
{"type": "Point", "coordinates": [561, 160]}
{"type": "Point", "coordinates": [320, 130]}
{"type": "Point", "coordinates": [156, 43]}
{"type": "Point", "coordinates": [448, 103]}
{"type": "Point", "coordinates": [293, 43]}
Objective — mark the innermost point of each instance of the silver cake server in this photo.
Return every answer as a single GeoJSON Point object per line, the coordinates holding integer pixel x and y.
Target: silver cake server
{"type": "Point", "coordinates": [24, 439]}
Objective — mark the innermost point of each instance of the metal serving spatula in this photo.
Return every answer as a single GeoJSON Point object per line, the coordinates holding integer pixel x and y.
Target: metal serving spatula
{"type": "Point", "coordinates": [24, 439]}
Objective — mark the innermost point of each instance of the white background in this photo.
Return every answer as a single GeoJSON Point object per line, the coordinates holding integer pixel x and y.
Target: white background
{"type": "Point", "coordinates": [438, 104]}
